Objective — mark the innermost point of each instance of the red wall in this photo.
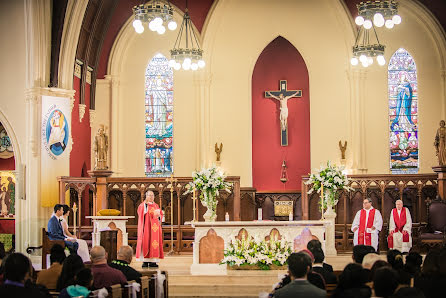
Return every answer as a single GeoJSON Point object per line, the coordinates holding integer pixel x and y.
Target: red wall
{"type": "Point", "coordinates": [7, 164]}
{"type": "Point", "coordinates": [280, 60]}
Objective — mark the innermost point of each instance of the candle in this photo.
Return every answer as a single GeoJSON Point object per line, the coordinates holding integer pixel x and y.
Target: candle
{"type": "Point", "coordinates": [322, 200]}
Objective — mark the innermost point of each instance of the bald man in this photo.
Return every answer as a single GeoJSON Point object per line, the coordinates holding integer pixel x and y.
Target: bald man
{"type": "Point", "coordinates": [400, 228]}
{"type": "Point", "coordinates": [104, 275]}
{"type": "Point", "coordinates": [125, 256]}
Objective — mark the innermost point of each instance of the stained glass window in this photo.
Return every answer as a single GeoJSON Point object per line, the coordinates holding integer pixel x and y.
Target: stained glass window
{"type": "Point", "coordinates": [403, 113]}
{"type": "Point", "coordinates": [159, 117]}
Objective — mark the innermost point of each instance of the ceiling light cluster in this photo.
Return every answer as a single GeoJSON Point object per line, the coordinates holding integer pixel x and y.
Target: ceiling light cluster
{"type": "Point", "coordinates": [378, 13]}
{"type": "Point", "coordinates": [155, 14]}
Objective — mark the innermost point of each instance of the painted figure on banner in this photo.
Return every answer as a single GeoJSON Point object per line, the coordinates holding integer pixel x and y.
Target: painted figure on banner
{"type": "Point", "coordinates": [149, 248]}
{"type": "Point", "coordinates": [7, 194]}
{"type": "Point", "coordinates": [400, 228]}
{"type": "Point", "coordinates": [57, 132]}
{"type": "Point", "coordinates": [367, 224]}
{"type": "Point", "coordinates": [101, 149]}
{"type": "Point", "coordinates": [403, 118]}
{"type": "Point", "coordinates": [440, 143]}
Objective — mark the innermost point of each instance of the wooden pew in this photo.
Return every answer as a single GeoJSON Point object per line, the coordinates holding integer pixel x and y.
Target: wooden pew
{"type": "Point", "coordinates": [116, 291]}
{"type": "Point", "coordinates": [144, 292]}
{"type": "Point", "coordinates": [46, 246]}
{"type": "Point", "coordinates": [330, 289]}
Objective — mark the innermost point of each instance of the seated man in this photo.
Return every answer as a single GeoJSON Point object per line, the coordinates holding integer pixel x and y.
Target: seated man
{"type": "Point", "coordinates": [299, 264]}
{"type": "Point", "coordinates": [400, 228]}
{"type": "Point", "coordinates": [125, 255]}
{"type": "Point", "coordinates": [360, 251]}
{"type": "Point", "coordinates": [103, 275]}
{"type": "Point", "coordinates": [55, 231]}
{"type": "Point", "coordinates": [48, 277]}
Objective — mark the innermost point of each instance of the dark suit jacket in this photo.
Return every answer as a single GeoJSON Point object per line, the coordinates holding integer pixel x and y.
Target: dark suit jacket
{"type": "Point", "coordinates": [129, 272]}
{"type": "Point", "coordinates": [55, 231]}
{"type": "Point", "coordinates": [329, 277]}
{"type": "Point", "coordinates": [300, 288]}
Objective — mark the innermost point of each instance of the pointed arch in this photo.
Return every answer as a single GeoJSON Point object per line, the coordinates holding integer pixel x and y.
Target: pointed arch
{"type": "Point", "coordinates": [403, 113]}
{"type": "Point", "coordinates": [159, 117]}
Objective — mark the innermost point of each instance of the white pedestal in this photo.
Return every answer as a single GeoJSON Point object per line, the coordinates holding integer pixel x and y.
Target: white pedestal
{"type": "Point", "coordinates": [102, 222]}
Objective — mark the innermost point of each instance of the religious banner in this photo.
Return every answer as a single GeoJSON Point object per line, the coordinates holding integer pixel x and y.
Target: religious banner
{"type": "Point", "coordinates": [7, 194]}
{"type": "Point", "coordinates": [55, 136]}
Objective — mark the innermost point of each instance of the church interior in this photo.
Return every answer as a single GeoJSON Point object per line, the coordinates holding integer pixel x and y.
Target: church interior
{"type": "Point", "coordinates": [303, 111]}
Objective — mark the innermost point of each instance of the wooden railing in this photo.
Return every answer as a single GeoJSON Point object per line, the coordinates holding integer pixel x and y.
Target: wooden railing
{"type": "Point", "coordinates": [414, 190]}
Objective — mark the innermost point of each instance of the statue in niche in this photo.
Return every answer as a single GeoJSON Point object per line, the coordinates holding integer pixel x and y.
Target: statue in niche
{"type": "Point", "coordinates": [100, 149]}
{"type": "Point", "coordinates": [218, 150]}
{"type": "Point", "coordinates": [440, 146]}
{"type": "Point", "coordinates": [343, 148]}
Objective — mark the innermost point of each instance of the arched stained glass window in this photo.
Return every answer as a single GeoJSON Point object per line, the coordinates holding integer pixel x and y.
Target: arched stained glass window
{"type": "Point", "coordinates": [403, 113]}
{"type": "Point", "coordinates": [159, 117]}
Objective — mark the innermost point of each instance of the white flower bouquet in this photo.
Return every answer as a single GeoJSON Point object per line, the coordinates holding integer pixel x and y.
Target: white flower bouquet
{"type": "Point", "coordinates": [332, 179]}
{"type": "Point", "coordinates": [262, 254]}
{"type": "Point", "coordinates": [209, 182]}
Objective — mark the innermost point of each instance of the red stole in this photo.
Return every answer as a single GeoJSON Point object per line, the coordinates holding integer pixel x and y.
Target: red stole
{"type": "Point", "coordinates": [150, 237]}
{"type": "Point", "coordinates": [362, 227]}
{"type": "Point", "coordinates": [400, 221]}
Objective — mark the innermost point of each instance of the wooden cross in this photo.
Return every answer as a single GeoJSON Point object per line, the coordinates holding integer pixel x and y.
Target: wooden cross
{"type": "Point", "coordinates": [282, 96]}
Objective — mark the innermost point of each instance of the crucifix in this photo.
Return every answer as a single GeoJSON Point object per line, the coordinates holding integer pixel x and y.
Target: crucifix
{"type": "Point", "coordinates": [282, 96]}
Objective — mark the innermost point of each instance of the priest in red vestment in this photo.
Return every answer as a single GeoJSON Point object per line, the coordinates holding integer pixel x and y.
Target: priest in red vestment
{"type": "Point", "coordinates": [367, 224]}
{"type": "Point", "coordinates": [149, 248]}
{"type": "Point", "coordinates": [400, 228]}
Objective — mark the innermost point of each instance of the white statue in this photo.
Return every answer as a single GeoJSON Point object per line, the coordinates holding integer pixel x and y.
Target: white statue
{"type": "Point", "coordinates": [283, 107]}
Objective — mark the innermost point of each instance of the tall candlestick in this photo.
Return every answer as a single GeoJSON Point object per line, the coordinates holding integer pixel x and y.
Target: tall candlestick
{"type": "Point", "coordinates": [74, 218]}
{"type": "Point", "coordinates": [322, 200]}
{"type": "Point", "coordinates": [193, 203]}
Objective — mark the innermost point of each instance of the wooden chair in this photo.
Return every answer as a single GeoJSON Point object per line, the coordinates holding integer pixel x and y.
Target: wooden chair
{"type": "Point", "coordinates": [46, 246]}
{"type": "Point", "coordinates": [434, 234]}
{"type": "Point", "coordinates": [330, 288]}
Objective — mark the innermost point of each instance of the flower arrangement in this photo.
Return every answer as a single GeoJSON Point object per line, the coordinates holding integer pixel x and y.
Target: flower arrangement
{"type": "Point", "coordinates": [263, 254]}
{"type": "Point", "coordinates": [332, 179]}
{"type": "Point", "coordinates": [209, 182]}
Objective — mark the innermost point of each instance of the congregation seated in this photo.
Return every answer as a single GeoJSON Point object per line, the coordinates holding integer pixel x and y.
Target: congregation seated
{"type": "Point", "coordinates": [48, 277]}
{"type": "Point", "coordinates": [17, 274]}
{"type": "Point", "coordinates": [2, 257]}
{"type": "Point", "coordinates": [313, 277]}
{"type": "Point", "coordinates": [413, 264]}
{"type": "Point", "coordinates": [299, 265]}
{"type": "Point", "coordinates": [360, 251]}
{"type": "Point", "coordinates": [124, 258]}
{"type": "Point", "coordinates": [432, 279]}
{"type": "Point", "coordinates": [352, 283]}
{"type": "Point", "coordinates": [385, 282]}
{"type": "Point", "coordinates": [72, 265]}
{"type": "Point", "coordinates": [103, 275]}
{"type": "Point", "coordinates": [395, 259]}
{"type": "Point", "coordinates": [319, 266]}
{"type": "Point", "coordinates": [80, 288]}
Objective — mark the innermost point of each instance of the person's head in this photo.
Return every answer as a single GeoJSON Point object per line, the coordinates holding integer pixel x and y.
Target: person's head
{"type": "Point", "coordinates": [150, 196]}
{"type": "Point", "coordinates": [309, 253]}
{"type": "Point", "coordinates": [57, 254]}
{"type": "Point", "coordinates": [367, 203]}
{"type": "Point", "coordinates": [98, 255]}
{"type": "Point", "coordinates": [395, 259]}
{"type": "Point", "coordinates": [353, 276]}
{"type": "Point", "coordinates": [299, 264]}
{"type": "Point", "coordinates": [414, 260]}
{"type": "Point", "coordinates": [430, 264]}
{"type": "Point", "coordinates": [399, 204]}
{"type": "Point", "coordinates": [66, 210]}
{"type": "Point", "coordinates": [369, 260]}
{"type": "Point", "coordinates": [359, 252]}
{"type": "Point", "coordinates": [442, 123]}
{"type": "Point", "coordinates": [72, 264]}
{"type": "Point", "coordinates": [84, 278]}
{"type": "Point", "coordinates": [17, 267]}
{"type": "Point", "coordinates": [385, 282]}
{"type": "Point", "coordinates": [408, 292]}
{"type": "Point", "coordinates": [319, 255]}
{"type": "Point", "coordinates": [125, 253]}
{"type": "Point", "coordinates": [378, 264]}
{"type": "Point", "coordinates": [58, 210]}
{"type": "Point", "coordinates": [313, 244]}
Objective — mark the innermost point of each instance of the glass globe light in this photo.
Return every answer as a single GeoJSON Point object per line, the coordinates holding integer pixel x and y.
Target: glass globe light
{"type": "Point", "coordinates": [396, 19]}
{"type": "Point", "coordinates": [201, 63]}
{"type": "Point", "coordinates": [186, 66]}
{"type": "Point", "coordinates": [354, 61]}
{"type": "Point", "coordinates": [381, 60]}
{"type": "Point", "coordinates": [359, 20]}
{"type": "Point", "coordinates": [158, 21]}
{"type": "Point", "coordinates": [194, 66]}
{"type": "Point", "coordinates": [177, 66]}
{"type": "Point", "coordinates": [172, 25]}
{"type": "Point", "coordinates": [368, 24]}
{"type": "Point", "coordinates": [365, 64]}
{"type": "Point", "coordinates": [187, 61]}
{"type": "Point", "coordinates": [369, 60]}
{"type": "Point", "coordinates": [137, 23]}
{"type": "Point", "coordinates": [378, 20]}
{"type": "Point", "coordinates": [389, 24]}
{"type": "Point", "coordinates": [139, 29]}
{"type": "Point", "coordinates": [161, 29]}
{"type": "Point", "coordinates": [363, 58]}
{"type": "Point", "coordinates": [153, 26]}
{"type": "Point", "coordinates": [171, 63]}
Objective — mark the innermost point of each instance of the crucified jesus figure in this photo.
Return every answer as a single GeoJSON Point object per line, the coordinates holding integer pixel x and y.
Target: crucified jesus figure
{"type": "Point", "coordinates": [283, 107]}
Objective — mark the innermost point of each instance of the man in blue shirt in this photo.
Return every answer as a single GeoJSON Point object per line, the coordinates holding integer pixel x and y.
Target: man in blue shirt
{"type": "Point", "coordinates": [55, 231]}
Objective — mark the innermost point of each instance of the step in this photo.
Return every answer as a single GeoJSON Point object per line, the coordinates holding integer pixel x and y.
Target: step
{"type": "Point", "coordinates": [206, 290]}
{"type": "Point", "coordinates": [223, 279]}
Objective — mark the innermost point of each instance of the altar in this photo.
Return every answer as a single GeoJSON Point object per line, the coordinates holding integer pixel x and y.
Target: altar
{"type": "Point", "coordinates": [110, 222]}
{"type": "Point", "coordinates": [212, 238]}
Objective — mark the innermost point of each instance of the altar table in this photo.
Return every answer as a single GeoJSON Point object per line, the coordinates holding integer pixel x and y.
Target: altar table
{"type": "Point", "coordinates": [113, 222]}
{"type": "Point", "coordinates": [215, 237]}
